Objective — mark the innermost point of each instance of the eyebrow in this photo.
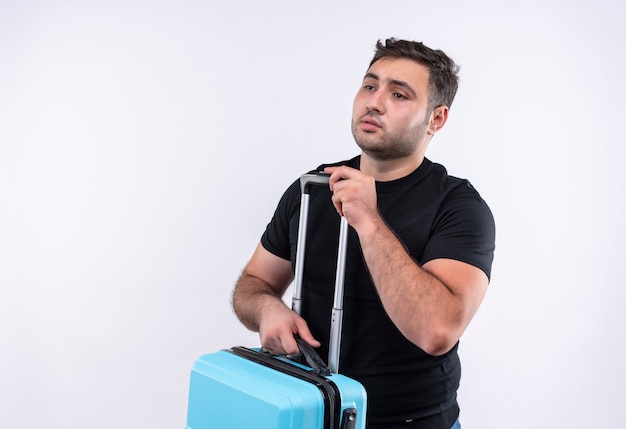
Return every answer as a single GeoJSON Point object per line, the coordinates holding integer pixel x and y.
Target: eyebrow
{"type": "Point", "coordinates": [395, 82]}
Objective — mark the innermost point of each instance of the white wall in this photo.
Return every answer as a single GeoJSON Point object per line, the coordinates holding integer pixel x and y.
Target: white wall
{"type": "Point", "coordinates": [144, 145]}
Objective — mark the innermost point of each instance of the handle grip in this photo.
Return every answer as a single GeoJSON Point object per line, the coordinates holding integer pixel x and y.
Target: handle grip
{"type": "Point", "coordinates": [307, 180]}
{"type": "Point", "coordinates": [312, 358]}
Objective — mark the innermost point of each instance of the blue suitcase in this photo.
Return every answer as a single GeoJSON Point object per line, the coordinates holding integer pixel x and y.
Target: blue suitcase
{"type": "Point", "coordinates": [244, 388]}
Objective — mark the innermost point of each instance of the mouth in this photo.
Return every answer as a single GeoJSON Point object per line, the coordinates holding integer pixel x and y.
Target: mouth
{"type": "Point", "coordinates": [370, 124]}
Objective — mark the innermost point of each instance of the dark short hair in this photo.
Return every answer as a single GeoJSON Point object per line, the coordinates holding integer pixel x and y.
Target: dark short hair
{"type": "Point", "coordinates": [443, 79]}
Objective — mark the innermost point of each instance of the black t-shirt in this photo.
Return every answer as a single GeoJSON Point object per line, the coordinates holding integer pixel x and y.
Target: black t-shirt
{"type": "Point", "coordinates": [435, 216]}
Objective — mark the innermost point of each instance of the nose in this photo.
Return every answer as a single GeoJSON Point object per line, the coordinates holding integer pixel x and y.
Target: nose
{"type": "Point", "coordinates": [374, 103]}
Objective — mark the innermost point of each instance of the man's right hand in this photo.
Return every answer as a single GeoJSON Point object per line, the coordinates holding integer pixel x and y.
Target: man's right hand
{"type": "Point", "coordinates": [279, 325]}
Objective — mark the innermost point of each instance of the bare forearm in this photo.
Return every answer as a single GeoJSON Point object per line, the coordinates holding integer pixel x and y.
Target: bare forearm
{"type": "Point", "coordinates": [419, 304]}
{"type": "Point", "coordinates": [250, 298]}
{"type": "Point", "coordinates": [261, 309]}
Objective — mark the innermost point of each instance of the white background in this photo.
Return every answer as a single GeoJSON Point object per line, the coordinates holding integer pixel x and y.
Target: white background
{"type": "Point", "coordinates": [144, 145]}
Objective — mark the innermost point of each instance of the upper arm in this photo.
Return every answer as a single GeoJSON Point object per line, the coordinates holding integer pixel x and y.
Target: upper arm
{"type": "Point", "coordinates": [275, 271]}
{"type": "Point", "coordinates": [467, 283]}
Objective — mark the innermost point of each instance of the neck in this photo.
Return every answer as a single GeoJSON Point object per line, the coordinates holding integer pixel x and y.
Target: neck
{"type": "Point", "coordinates": [390, 169]}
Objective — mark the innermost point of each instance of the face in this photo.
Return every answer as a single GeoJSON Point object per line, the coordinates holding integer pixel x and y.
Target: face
{"type": "Point", "coordinates": [390, 116]}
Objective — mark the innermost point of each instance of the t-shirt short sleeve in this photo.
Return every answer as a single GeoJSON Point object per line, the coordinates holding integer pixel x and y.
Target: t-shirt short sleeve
{"type": "Point", "coordinates": [464, 230]}
{"type": "Point", "coordinates": [275, 239]}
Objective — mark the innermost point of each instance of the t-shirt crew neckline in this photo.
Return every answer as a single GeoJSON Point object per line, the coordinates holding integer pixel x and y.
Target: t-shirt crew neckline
{"type": "Point", "coordinates": [393, 185]}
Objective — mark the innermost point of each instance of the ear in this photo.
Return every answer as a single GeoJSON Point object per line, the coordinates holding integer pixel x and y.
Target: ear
{"type": "Point", "coordinates": [438, 119]}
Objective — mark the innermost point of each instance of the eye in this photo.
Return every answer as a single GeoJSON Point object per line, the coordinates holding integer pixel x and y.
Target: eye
{"type": "Point", "coordinates": [399, 96]}
{"type": "Point", "coordinates": [369, 87]}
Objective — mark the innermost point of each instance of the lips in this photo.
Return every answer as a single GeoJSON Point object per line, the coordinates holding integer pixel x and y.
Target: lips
{"type": "Point", "coordinates": [370, 124]}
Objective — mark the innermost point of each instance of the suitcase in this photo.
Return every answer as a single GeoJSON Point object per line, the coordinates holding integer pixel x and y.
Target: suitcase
{"type": "Point", "coordinates": [246, 388]}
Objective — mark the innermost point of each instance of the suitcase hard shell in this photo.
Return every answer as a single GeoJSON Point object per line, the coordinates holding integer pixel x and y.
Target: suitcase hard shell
{"type": "Point", "coordinates": [242, 388]}
{"type": "Point", "coordinates": [256, 390]}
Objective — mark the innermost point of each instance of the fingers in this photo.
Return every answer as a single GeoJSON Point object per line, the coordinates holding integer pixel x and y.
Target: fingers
{"type": "Point", "coordinates": [279, 345]}
{"type": "Point", "coordinates": [338, 203]}
{"type": "Point", "coordinates": [337, 174]}
{"type": "Point", "coordinates": [289, 345]}
{"type": "Point", "coordinates": [279, 338]}
{"type": "Point", "coordinates": [305, 334]}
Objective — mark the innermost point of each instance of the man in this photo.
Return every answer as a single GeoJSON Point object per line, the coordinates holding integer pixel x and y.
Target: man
{"type": "Point", "coordinates": [419, 251]}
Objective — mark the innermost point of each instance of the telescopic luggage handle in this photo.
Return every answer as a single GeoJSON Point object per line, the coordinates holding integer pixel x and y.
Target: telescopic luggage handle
{"type": "Point", "coordinates": [306, 181]}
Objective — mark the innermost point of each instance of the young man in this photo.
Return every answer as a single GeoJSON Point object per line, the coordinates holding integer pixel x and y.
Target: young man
{"type": "Point", "coordinates": [420, 249]}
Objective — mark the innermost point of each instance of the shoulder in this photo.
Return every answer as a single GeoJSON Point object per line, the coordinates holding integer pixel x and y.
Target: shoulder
{"type": "Point", "coordinates": [462, 202]}
{"type": "Point", "coordinates": [454, 188]}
